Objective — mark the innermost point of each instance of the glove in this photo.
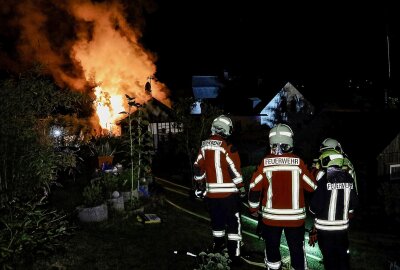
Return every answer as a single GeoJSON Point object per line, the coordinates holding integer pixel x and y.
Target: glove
{"type": "Point", "coordinates": [199, 193]}
{"type": "Point", "coordinates": [312, 236]}
{"type": "Point", "coordinates": [259, 223]}
{"type": "Point", "coordinates": [242, 191]}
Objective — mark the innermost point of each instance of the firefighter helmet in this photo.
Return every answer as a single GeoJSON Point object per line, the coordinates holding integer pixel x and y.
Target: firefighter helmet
{"type": "Point", "coordinates": [331, 157]}
{"type": "Point", "coordinates": [222, 125]}
{"type": "Point", "coordinates": [330, 143]}
{"type": "Point", "coordinates": [281, 139]}
{"type": "Point", "coordinates": [281, 134]}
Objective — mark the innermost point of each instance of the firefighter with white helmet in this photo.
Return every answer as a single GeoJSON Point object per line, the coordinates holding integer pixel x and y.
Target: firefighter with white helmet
{"type": "Point", "coordinates": [330, 143]}
{"type": "Point", "coordinates": [217, 169]}
{"type": "Point", "coordinates": [332, 204]}
{"type": "Point", "coordinates": [276, 193]}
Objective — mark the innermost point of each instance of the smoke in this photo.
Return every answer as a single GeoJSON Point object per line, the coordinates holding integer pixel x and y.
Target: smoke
{"type": "Point", "coordinates": [82, 44]}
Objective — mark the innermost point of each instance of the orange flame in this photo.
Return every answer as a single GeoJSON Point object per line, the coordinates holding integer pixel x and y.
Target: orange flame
{"type": "Point", "coordinates": [104, 51]}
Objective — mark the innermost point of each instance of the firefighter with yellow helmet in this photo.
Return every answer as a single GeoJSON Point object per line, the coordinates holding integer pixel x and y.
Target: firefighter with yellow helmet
{"type": "Point", "coordinates": [330, 143]}
{"type": "Point", "coordinates": [332, 204]}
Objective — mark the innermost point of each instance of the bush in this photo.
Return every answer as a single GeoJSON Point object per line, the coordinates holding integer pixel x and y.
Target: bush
{"type": "Point", "coordinates": [94, 194]}
{"type": "Point", "coordinates": [29, 230]}
{"type": "Point", "coordinates": [213, 261]}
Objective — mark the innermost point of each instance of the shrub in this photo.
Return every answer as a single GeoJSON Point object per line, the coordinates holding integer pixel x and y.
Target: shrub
{"type": "Point", "coordinates": [213, 261]}
{"type": "Point", "coordinates": [29, 230]}
{"type": "Point", "coordinates": [93, 194]}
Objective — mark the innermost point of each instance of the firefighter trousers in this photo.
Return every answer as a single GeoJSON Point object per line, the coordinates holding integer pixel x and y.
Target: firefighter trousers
{"type": "Point", "coordinates": [295, 240]}
{"type": "Point", "coordinates": [225, 220]}
{"type": "Point", "coordinates": [334, 247]}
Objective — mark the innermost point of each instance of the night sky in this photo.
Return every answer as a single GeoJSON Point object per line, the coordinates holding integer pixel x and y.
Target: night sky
{"type": "Point", "coordinates": [308, 44]}
{"type": "Point", "coordinates": [311, 43]}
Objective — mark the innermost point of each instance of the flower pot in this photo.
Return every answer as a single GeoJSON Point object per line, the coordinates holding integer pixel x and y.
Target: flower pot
{"type": "Point", "coordinates": [93, 214]}
{"type": "Point", "coordinates": [105, 162]}
{"type": "Point", "coordinates": [117, 203]}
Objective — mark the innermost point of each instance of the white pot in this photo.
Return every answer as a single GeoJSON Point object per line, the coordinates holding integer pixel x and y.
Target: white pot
{"type": "Point", "coordinates": [93, 214]}
{"type": "Point", "coordinates": [117, 203]}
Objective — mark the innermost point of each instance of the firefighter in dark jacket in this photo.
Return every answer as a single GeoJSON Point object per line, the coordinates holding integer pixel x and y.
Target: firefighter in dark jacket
{"type": "Point", "coordinates": [276, 192]}
{"type": "Point", "coordinates": [333, 204]}
{"type": "Point", "coordinates": [332, 144]}
{"type": "Point", "coordinates": [219, 179]}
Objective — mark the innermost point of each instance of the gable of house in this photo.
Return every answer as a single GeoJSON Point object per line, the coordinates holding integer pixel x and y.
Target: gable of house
{"type": "Point", "coordinates": [287, 99]}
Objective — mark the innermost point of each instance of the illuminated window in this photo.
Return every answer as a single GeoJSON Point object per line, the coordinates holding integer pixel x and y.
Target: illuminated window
{"type": "Point", "coordinates": [395, 172]}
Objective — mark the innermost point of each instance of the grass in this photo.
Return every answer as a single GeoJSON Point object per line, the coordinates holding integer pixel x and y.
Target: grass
{"type": "Point", "coordinates": [122, 242]}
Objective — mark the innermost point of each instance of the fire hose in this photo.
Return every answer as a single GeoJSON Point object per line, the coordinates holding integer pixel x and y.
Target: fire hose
{"type": "Point", "coordinates": [207, 219]}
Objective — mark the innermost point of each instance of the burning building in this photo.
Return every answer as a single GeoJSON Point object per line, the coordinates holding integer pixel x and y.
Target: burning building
{"type": "Point", "coordinates": [86, 46]}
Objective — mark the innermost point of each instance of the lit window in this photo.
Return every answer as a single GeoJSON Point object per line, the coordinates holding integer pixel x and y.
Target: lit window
{"type": "Point", "coordinates": [395, 172]}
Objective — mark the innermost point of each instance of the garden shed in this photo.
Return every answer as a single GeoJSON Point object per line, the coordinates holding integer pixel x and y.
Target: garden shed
{"type": "Point", "coordinates": [160, 125]}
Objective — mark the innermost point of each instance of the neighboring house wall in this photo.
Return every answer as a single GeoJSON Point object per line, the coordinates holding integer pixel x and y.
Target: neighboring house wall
{"type": "Point", "coordinates": [204, 87]}
{"type": "Point", "coordinates": [389, 161]}
{"type": "Point", "coordinates": [273, 111]}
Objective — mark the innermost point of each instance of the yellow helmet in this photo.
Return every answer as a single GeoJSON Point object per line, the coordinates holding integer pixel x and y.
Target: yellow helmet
{"type": "Point", "coordinates": [331, 157]}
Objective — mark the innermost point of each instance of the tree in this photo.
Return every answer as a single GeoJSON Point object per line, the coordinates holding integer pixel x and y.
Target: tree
{"type": "Point", "coordinates": [30, 161]}
{"type": "Point", "coordinates": [195, 128]}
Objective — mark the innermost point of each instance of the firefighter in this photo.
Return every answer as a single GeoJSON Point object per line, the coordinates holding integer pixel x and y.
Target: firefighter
{"type": "Point", "coordinates": [332, 204]}
{"type": "Point", "coordinates": [219, 179]}
{"type": "Point", "coordinates": [276, 192]}
{"type": "Point", "coordinates": [330, 143]}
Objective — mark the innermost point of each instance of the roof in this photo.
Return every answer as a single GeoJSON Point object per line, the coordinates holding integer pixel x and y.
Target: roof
{"type": "Point", "coordinates": [205, 87]}
{"type": "Point", "coordinates": [154, 111]}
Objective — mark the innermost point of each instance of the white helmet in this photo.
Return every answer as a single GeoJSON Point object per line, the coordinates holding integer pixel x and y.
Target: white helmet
{"type": "Point", "coordinates": [330, 143]}
{"type": "Point", "coordinates": [222, 125]}
{"type": "Point", "coordinates": [282, 134]}
{"type": "Point", "coordinates": [281, 139]}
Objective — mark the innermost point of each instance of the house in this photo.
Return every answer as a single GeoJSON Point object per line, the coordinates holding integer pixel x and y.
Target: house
{"type": "Point", "coordinates": [205, 88]}
{"type": "Point", "coordinates": [287, 103]}
{"type": "Point", "coordinates": [388, 161]}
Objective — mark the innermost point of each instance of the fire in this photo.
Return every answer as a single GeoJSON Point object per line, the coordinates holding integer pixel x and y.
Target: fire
{"type": "Point", "coordinates": [112, 57]}
{"type": "Point", "coordinates": [108, 108]}
{"type": "Point", "coordinates": [94, 45]}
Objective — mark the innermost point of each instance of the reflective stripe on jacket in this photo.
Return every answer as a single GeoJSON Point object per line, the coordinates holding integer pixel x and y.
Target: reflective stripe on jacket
{"type": "Point", "coordinates": [277, 190]}
{"type": "Point", "coordinates": [219, 167]}
{"type": "Point", "coordinates": [333, 201]}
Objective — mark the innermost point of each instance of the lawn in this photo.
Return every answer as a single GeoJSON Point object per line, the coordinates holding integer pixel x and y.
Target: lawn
{"type": "Point", "coordinates": [122, 242]}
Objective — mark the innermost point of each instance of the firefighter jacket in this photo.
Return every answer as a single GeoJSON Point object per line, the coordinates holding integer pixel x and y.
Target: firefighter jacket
{"type": "Point", "coordinates": [277, 190]}
{"type": "Point", "coordinates": [334, 199]}
{"type": "Point", "coordinates": [218, 166]}
{"type": "Point", "coordinates": [347, 166]}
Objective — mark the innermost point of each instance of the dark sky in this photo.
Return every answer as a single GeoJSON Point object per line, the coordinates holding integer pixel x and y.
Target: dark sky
{"type": "Point", "coordinates": [313, 43]}
{"type": "Point", "coordinates": [310, 42]}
